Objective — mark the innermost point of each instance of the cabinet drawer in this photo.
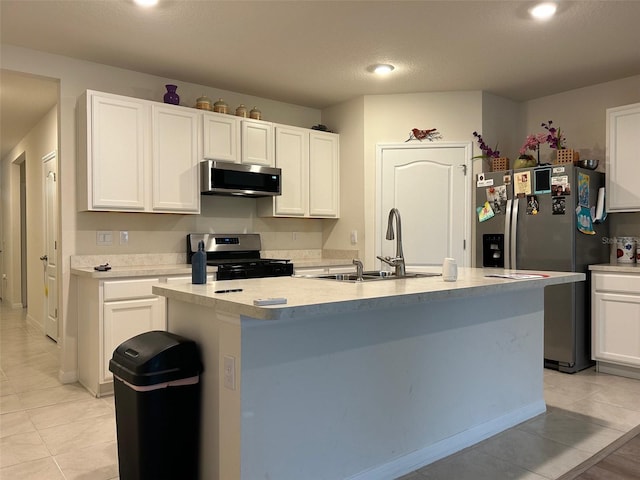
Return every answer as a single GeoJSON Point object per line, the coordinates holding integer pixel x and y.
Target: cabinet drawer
{"type": "Point", "coordinates": [129, 289]}
{"type": "Point", "coordinates": [618, 282]}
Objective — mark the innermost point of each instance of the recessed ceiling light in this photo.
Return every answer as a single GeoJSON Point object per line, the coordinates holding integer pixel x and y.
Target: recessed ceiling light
{"type": "Point", "coordinates": [383, 69]}
{"type": "Point", "coordinates": [146, 3]}
{"type": "Point", "coordinates": [543, 11]}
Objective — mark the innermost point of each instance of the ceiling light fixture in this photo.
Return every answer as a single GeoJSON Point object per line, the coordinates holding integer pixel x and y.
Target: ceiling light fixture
{"type": "Point", "coordinates": [383, 69]}
{"type": "Point", "coordinates": [543, 11]}
{"type": "Point", "coordinates": [146, 3]}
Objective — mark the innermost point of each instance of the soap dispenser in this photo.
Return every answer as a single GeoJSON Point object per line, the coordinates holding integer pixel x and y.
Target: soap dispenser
{"type": "Point", "coordinates": [199, 265]}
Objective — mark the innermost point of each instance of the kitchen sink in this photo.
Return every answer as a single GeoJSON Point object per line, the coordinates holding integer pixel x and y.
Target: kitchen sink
{"type": "Point", "coordinates": [373, 276]}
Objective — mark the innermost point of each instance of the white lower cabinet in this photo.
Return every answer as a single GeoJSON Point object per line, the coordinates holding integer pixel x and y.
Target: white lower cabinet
{"type": "Point", "coordinates": [110, 312]}
{"type": "Point", "coordinates": [616, 323]}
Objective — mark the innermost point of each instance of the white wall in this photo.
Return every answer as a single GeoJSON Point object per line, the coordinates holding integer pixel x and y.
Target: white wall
{"type": "Point", "coordinates": [365, 122]}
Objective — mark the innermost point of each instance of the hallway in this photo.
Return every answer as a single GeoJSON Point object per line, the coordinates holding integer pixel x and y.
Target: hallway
{"type": "Point", "coordinates": [48, 431]}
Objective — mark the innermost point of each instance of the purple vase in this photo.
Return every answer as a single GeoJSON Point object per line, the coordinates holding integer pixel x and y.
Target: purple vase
{"type": "Point", "coordinates": [171, 96]}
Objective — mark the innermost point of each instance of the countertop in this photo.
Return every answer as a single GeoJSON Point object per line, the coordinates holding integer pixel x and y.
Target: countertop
{"type": "Point", "coordinates": [312, 296]}
{"type": "Point", "coordinates": [137, 271]}
{"type": "Point", "coordinates": [616, 267]}
{"type": "Point", "coordinates": [125, 271]}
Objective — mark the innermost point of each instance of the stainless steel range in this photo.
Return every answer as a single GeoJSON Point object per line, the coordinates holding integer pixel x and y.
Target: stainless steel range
{"type": "Point", "coordinates": [237, 256]}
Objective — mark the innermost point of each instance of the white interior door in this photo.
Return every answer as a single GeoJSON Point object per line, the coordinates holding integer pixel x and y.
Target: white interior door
{"type": "Point", "coordinates": [50, 258]}
{"type": "Point", "coordinates": [430, 185]}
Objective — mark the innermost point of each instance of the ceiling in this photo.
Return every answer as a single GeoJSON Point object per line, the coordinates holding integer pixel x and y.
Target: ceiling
{"type": "Point", "coordinates": [319, 53]}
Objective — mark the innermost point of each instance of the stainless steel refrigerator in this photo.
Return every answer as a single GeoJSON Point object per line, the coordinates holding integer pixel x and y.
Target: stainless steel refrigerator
{"type": "Point", "coordinates": [536, 219]}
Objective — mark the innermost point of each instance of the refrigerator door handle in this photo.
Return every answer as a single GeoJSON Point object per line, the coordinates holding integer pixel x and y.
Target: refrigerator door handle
{"type": "Point", "coordinates": [514, 233]}
{"type": "Point", "coordinates": [507, 235]}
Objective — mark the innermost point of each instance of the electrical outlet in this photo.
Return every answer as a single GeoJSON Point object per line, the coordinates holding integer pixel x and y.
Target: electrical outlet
{"type": "Point", "coordinates": [229, 365]}
{"type": "Point", "coordinates": [294, 236]}
{"type": "Point", "coordinates": [354, 237]}
{"type": "Point", "coordinates": [124, 237]}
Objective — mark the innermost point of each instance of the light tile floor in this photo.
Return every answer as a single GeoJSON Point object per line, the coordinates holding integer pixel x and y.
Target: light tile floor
{"type": "Point", "coordinates": [50, 431]}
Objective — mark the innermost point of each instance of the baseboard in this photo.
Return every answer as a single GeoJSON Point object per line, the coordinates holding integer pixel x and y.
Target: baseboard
{"type": "Point", "coordinates": [420, 458]}
{"type": "Point", "coordinates": [68, 377]}
{"type": "Point", "coordinates": [620, 370]}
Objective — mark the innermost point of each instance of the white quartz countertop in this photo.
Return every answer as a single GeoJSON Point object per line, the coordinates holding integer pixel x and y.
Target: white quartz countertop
{"type": "Point", "coordinates": [312, 296]}
{"type": "Point", "coordinates": [137, 271]}
{"type": "Point", "coordinates": [616, 267]}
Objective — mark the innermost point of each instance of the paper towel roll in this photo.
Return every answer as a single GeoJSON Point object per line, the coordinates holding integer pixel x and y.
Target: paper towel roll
{"type": "Point", "coordinates": [600, 205]}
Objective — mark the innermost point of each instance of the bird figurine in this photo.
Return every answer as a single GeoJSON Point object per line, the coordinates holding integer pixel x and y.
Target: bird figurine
{"type": "Point", "coordinates": [430, 134]}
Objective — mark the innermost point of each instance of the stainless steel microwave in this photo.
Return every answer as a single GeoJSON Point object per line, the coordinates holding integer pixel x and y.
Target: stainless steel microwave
{"type": "Point", "coordinates": [225, 178]}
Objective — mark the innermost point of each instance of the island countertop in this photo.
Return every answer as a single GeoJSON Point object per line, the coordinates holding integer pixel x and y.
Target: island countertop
{"type": "Point", "coordinates": [312, 296]}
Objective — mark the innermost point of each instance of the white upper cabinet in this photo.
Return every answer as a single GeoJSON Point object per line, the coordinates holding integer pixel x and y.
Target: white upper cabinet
{"type": "Point", "coordinates": [623, 167]}
{"type": "Point", "coordinates": [136, 155]}
{"type": "Point", "coordinates": [257, 142]}
{"type": "Point", "coordinates": [175, 159]}
{"type": "Point", "coordinates": [221, 137]}
{"type": "Point", "coordinates": [113, 136]}
{"type": "Point", "coordinates": [292, 157]}
{"type": "Point", "coordinates": [310, 174]}
{"type": "Point", "coordinates": [324, 171]}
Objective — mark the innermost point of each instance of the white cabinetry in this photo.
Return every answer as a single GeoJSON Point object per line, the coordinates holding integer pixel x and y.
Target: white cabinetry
{"type": "Point", "coordinates": [110, 312]}
{"type": "Point", "coordinates": [175, 159]}
{"type": "Point", "coordinates": [136, 155]}
{"type": "Point", "coordinates": [292, 156]}
{"type": "Point", "coordinates": [310, 174]}
{"type": "Point", "coordinates": [623, 168]}
{"type": "Point", "coordinates": [324, 174]}
{"type": "Point", "coordinates": [616, 323]}
{"type": "Point", "coordinates": [257, 142]}
{"type": "Point", "coordinates": [113, 147]}
{"type": "Point", "coordinates": [221, 137]}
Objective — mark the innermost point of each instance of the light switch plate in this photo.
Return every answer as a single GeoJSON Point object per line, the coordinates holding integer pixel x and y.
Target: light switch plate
{"type": "Point", "coordinates": [104, 238]}
{"type": "Point", "coordinates": [124, 237]}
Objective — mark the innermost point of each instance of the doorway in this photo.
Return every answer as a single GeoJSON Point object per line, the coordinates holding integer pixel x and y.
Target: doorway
{"type": "Point", "coordinates": [23, 231]}
{"type": "Point", "coordinates": [430, 185]}
{"type": "Point", "coordinates": [50, 257]}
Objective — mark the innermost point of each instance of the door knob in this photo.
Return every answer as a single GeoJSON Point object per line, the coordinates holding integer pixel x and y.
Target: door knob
{"type": "Point", "coordinates": [44, 257]}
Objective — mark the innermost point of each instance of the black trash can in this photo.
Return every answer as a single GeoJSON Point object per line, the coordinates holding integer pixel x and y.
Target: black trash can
{"type": "Point", "coordinates": [157, 395]}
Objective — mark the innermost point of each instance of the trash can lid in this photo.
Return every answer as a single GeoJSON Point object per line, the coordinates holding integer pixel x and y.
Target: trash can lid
{"type": "Point", "coordinates": [155, 357]}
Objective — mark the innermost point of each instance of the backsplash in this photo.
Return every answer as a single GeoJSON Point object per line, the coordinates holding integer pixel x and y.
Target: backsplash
{"type": "Point", "coordinates": [624, 224]}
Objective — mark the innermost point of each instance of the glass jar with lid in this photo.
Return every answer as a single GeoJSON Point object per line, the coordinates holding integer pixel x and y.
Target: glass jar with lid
{"type": "Point", "coordinates": [241, 111]}
{"type": "Point", "coordinates": [220, 106]}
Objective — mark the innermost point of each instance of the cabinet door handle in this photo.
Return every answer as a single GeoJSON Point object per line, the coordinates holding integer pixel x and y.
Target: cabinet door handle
{"type": "Point", "coordinates": [44, 257]}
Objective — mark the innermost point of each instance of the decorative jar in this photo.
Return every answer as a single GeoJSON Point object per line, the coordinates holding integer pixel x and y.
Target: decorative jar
{"type": "Point", "coordinates": [255, 113]}
{"type": "Point", "coordinates": [241, 111]}
{"type": "Point", "coordinates": [203, 103]}
{"type": "Point", "coordinates": [220, 106]}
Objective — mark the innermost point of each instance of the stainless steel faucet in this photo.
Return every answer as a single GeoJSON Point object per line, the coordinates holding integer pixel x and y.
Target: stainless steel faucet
{"type": "Point", "coordinates": [359, 269]}
{"type": "Point", "coordinates": [398, 261]}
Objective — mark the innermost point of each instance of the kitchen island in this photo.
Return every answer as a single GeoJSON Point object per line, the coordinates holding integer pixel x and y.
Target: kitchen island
{"type": "Point", "coordinates": [360, 380]}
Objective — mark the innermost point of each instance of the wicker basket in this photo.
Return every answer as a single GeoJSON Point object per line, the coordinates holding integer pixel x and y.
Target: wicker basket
{"type": "Point", "coordinates": [566, 155]}
{"type": "Point", "coordinates": [499, 164]}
